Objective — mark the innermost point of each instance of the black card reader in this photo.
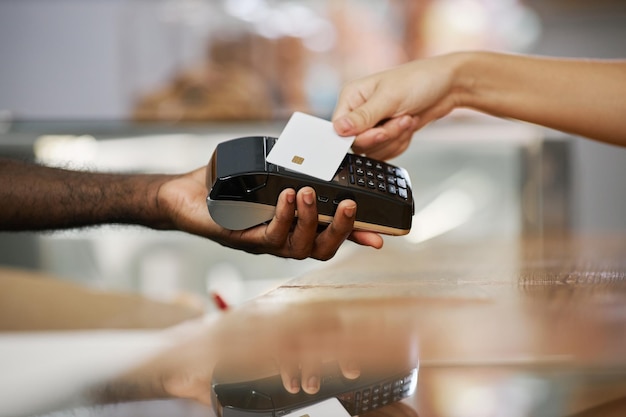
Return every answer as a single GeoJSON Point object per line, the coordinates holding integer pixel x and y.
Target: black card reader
{"type": "Point", "coordinates": [266, 397]}
{"type": "Point", "coordinates": [244, 188]}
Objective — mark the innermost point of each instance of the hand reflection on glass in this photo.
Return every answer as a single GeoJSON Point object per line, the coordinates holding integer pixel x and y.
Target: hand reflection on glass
{"type": "Point", "coordinates": [254, 341]}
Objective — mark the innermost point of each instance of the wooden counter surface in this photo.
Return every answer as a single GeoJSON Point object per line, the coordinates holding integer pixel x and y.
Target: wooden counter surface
{"type": "Point", "coordinates": [541, 317]}
{"type": "Point", "coordinates": [534, 326]}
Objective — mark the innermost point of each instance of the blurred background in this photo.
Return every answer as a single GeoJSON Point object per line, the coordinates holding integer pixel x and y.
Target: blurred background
{"type": "Point", "coordinates": [154, 85]}
{"type": "Point", "coordinates": [199, 60]}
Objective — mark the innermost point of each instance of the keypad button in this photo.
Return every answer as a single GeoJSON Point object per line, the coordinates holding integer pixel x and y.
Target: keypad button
{"type": "Point", "coordinates": [375, 175]}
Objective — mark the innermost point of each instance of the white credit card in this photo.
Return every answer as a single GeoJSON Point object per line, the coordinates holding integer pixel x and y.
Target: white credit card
{"type": "Point", "coordinates": [309, 145]}
{"type": "Point", "coordinates": [327, 408]}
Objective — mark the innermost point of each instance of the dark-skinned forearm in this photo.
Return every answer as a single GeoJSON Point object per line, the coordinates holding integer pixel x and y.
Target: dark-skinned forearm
{"type": "Point", "coordinates": [35, 197]}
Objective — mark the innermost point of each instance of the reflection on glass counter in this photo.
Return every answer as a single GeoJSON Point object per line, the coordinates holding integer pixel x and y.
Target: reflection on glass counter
{"type": "Point", "coordinates": [261, 59]}
{"type": "Point", "coordinates": [528, 326]}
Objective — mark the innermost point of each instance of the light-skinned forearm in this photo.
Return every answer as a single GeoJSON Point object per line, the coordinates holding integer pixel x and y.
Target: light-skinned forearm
{"type": "Point", "coordinates": [584, 97]}
{"type": "Point", "coordinates": [36, 197]}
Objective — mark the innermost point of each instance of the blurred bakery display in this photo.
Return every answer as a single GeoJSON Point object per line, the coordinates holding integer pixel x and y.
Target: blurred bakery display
{"type": "Point", "coordinates": [262, 59]}
{"type": "Point", "coordinates": [213, 60]}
